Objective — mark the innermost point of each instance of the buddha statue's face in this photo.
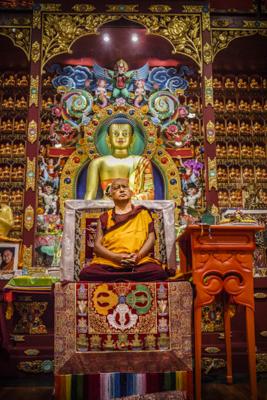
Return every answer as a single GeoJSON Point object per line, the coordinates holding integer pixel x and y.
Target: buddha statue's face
{"type": "Point", "coordinates": [120, 136]}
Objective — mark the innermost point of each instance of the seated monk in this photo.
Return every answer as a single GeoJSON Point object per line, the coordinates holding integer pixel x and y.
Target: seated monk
{"type": "Point", "coordinates": [125, 237]}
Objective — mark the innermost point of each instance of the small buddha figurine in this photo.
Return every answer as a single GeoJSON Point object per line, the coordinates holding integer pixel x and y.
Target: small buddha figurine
{"type": "Point", "coordinates": [192, 83]}
{"type": "Point", "coordinates": [223, 151]}
{"type": "Point", "coordinates": [218, 150]}
{"type": "Point", "coordinates": [12, 197]}
{"type": "Point", "coordinates": [14, 173]}
{"type": "Point", "coordinates": [10, 103]}
{"type": "Point", "coordinates": [216, 105]}
{"type": "Point", "coordinates": [217, 126]}
{"type": "Point", "coordinates": [258, 174]}
{"type": "Point", "coordinates": [6, 173]}
{"type": "Point", "coordinates": [9, 81]}
{"type": "Point", "coordinates": [1, 174]}
{"type": "Point", "coordinates": [232, 173]}
{"type": "Point", "coordinates": [233, 197]}
{"type": "Point", "coordinates": [264, 174]}
{"type": "Point", "coordinates": [229, 127]}
{"type": "Point", "coordinates": [241, 83]}
{"type": "Point", "coordinates": [257, 127]}
{"type": "Point", "coordinates": [2, 149]}
{"type": "Point", "coordinates": [21, 103]}
{"type": "Point", "coordinates": [47, 81]}
{"type": "Point", "coordinates": [244, 127]}
{"type": "Point", "coordinates": [23, 81]}
{"type": "Point", "coordinates": [222, 174]}
{"type": "Point", "coordinates": [9, 126]}
{"type": "Point", "coordinates": [15, 150]}
{"type": "Point", "coordinates": [21, 149]}
{"type": "Point", "coordinates": [18, 196]}
{"type": "Point", "coordinates": [4, 197]}
{"type": "Point", "coordinates": [7, 150]}
{"type": "Point", "coordinates": [220, 198]}
{"type": "Point", "coordinates": [256, 105]}
{"type": "Point", "coordinates": [229, 83]}
{"type": "Point", "coordinates": [217, 83]}
{"type": "Point", "coordinates": [254, 84]}
{"type": "Point", "coordinates": [247, 174]}
{"type": "Point", "coordinates": [249, 151]}
{"type": "Point", "coordinates": [244, 150]}
{"type": "Point", "coordinates": [230, 150]}
{"type": "Point", "coordinates": [236, 150]}
{"type": "Point", "coordinates": [20, 173]}
{"type": "Point", "coordinates": [17, 221]}
{"type": "Point", "coordinates": [238, 174]}
{"type": "Point", "coordinates": [230, 105]}
{"type": "Point", "coordinates": [225, 198]}
{"type": "Point", "coordinates": [243, 105]}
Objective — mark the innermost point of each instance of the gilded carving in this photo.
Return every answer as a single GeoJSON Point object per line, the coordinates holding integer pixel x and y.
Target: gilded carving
{"type": "Point", "coordinates": [30, 174]}
{"type": "Point", "coordinates": [29, 218]}
{"type": "Point", "coordinates": [36, 19]}
{"type": "Point", "coordinates": [221, 23]}
{"type": "Point", "coordinates": [34, 91]}
{"type": "Point", "coordinates": [212, 173]}
{"type": "Point", "coordinates": [206, 21]}
{"type": "Point", "coordinates": [83, 7]}
{"type": "Point", "coordinates": [20, 37]}
{"type": "Point", "coordinates": [27, 256]}
{"type": "Point", "coordinates": [210, 132]}
{"type": "Point", "coordinates": [61, 30]}
{"type": "Point", "coordinates": [208, 91]}
{"type": "Point", "coordinates": [207, 53]}
{"type": "Point", "coordinates": [159, 8]}
{"type": "Point", "coordinates": [182, 31]}
{"type": "Point", "coordinates": [122, 8]}
{"type": "Point", "coordinates": [35, 54]}
{"type": "Point", "coordinates": [210, 363]}
{"type": "Point", "coordinates": [222, 38]}
{"type": "Point", "coordinates": [32, 132]}
{"type": "Point", "coordinates": [193, 9]}
{"type": "Point", "coordinates": [50, 7]}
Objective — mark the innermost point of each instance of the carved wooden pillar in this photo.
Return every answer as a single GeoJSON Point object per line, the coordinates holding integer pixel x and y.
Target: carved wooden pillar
{"type": "Point", "coordinates": [30, 200]}
{"type": "Point", "coordinates": [208, 112]}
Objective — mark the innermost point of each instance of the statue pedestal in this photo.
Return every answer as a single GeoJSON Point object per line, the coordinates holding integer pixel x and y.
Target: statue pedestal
{"type": "Point", "coordinates": [221, 260]}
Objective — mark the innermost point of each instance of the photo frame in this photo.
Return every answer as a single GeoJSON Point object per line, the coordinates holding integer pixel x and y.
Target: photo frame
{"type": "Point", "coordinates": [10, 257]}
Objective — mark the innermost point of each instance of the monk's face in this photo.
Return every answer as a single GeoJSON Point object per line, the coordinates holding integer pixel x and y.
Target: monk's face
{"type": "Point", "coordinates": [7, 256]}
{"type": "Point", "coordinates": [120, 190]}
{"type": "Point", "coordinates": [120, 135]}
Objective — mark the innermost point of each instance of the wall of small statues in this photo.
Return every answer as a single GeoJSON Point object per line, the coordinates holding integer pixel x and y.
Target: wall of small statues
{"type": "Point", "coordinates": [14, 88]}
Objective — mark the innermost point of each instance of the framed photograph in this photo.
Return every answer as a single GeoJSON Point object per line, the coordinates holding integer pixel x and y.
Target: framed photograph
{"type": "Point", "coordinates": [9, 258]}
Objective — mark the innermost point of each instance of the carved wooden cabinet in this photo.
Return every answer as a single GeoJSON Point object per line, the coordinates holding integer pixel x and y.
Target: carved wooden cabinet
{"type": "Point", "coordinates": [27, 332]}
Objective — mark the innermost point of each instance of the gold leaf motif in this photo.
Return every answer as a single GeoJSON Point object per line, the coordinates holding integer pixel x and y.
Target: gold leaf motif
{"type": "Point", "coordinates": [208, 91]}
{"type": "Point", "coordinates": [60, 31]}
{"type": "Point", "coordinates": [29, 218]}
{"type": "Point", "coordinates": [27, 256]}
{"type": "Point", "coordinates": [207, 53]}
{"type": "Point", "coordinates": [83, 7]}
{"type": "Point", "coordinates": [193, 9]}
{"type": "Point", "coordinates": [221, 23]}
{"type": "Point", "coordinates": [20, 37]}
{"type": "Point", "coordinates": [50, 7]}
{"type": "Point", "coordinates": [122, 8]}
{"type": "Point", "coordinates": [36, 19]}
{"type": "Point", "coordinates": [206, 21]}
{"type": "Point", "coordinates": [210, 132]}
{"type": "Point", "coordinates": [182, 31]}
{"type": "Point", "coordinates": [212, 173]}
{"type": "Point", "coordinates": [30, 174]}
{"type": "Point", "coordinates": [32, 132]}
{"type": "Point", "coordinates": [250, 24]}
{"type": "Point", "coordinates": [261, 362]}
{"type": "Point", "coordinates": [35, 52]}
{"type": "Point", "coordinates": [222, 38]}
{"type": "Point", "coordinates": [34, 89]}
{"type": "Point", "coordinates": [212, 349]}
{"type": "Point", "coordinates": [159, 8]}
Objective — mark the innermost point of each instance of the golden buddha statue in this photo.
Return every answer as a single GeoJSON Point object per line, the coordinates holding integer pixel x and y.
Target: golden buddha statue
{"type": "Point", "coordinates": [120, 164]}
{"type": "Point", "coordinates": [23, 81]}
{"type": "Point", "coordinates": [9, 126]}
{"type": "Point", "coordinates": [6, 219]}
{"type": "Point", "coordinates": [9, 80]}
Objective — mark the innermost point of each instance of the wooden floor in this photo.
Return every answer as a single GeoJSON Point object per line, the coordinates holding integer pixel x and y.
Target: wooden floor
{"type": "Point", "coordinates": [211, 391]}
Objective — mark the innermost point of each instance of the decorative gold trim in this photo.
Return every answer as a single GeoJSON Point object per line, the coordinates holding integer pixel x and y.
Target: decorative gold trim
{"type": "Point", "coordinates": [207, 53]}
{"type": "Point", "coordinates": [209, 363]}
{"type": "Point", "coordinates": [159, 8]}
{"type": "Point", "coordinates": [36, 19]}
{"type": "Point", "coordinates": [83, 7]}
{"type": "Point", "coordinates": [27, 256]}
{"type": "Point", "coordinates": [50, 7]}
{"type": "Point", "coordinates": [206, 21]}
{"type": "Point", "coordinates": [32, 131]}
{"type": "Point", "coordinates": [210, 132]}
{"type": "Point", "coordinates": [208, 91]}
{"type": "Point", "coordinates": [222, 38]}
{"type": "Point", "coordinates": [121, 8]}
{"type": "Point", "coordinates": [60, 31]}
{"type": "Point", "coordinates": [30, 174]}
{"type": "Point", "coordinates": [20, 37]}
{"type": "Point", "coordinates": [260, 295]}
{"type": "Point", "coordinates": [254, 24]}
{"type": "Point", "coordinates": [212, 173]}
{"type": "Point", "coordinates": [212, 349]}
{"type": "Point", "coordinates": [34, 90]}
{"type": "Point", "coordinates": [193, 9]}
{"type": "Point", "coordinates": [29, 218]}
{"type": "Point", "coordinates": [182, 31]}
{"type": "Point", "coordinates": [221, 23]}
{"type": "Point", "coordinates": [36, 52]}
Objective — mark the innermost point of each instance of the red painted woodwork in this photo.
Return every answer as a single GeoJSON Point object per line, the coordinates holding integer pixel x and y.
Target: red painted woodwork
{"type": "Point", "coordinates": [221, 260]}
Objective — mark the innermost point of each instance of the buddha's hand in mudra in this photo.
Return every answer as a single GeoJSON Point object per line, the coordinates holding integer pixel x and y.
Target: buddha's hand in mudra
{"type": "Point", "coordinates": [130, 260]}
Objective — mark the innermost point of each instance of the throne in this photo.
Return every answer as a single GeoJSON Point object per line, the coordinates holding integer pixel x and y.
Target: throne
{"type": "Point", "coordinates": [125, 340]}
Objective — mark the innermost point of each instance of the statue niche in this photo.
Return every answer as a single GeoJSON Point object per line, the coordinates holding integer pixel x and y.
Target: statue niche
{"type": "Point", "coordinates": [120, 164]}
